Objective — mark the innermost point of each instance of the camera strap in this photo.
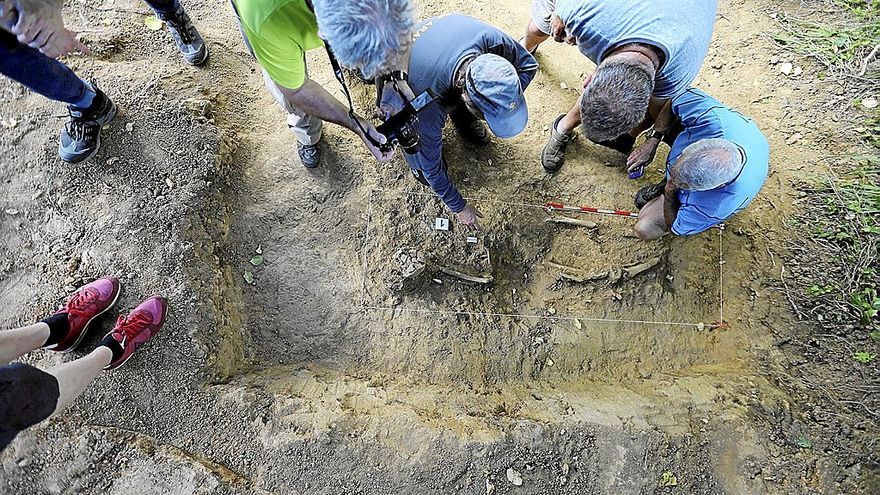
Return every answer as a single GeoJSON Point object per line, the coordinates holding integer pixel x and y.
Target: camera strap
{"type": "Point", "coordinates": [340, 76]}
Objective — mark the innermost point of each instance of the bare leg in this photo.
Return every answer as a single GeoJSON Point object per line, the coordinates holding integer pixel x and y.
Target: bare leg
{"type": "Point", "coordinates": [651, 224]}
{"type": "Point", "coordinates": [572, 119]}
{"type": "Point", "coordinates": [20, 341]}
{"type": "Point", "coordinates": [534, 37]}
{"type": "Point", "coordinates": [75, 376]}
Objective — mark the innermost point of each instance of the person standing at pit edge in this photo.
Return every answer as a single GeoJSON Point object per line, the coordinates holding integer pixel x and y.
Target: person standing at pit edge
{"type": "Point", "coordinates": [718, 162]}
{"type": "Point", "coordinates": [647, 53]}
{"type": "Point", "coordinates": [479, 74]}
{"type": "Point", "coordinates": [29, 395]}
{"type": "Point", "coordinates": [32, 36]}
{"type": "Point", "coordinates": [370, 36]}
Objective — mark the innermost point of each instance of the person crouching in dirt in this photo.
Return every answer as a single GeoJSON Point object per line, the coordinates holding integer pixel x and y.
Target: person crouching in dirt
{"type": "Point", "coordinates": [646, 52]}
{"type": "Point", "coordinates": [32, 36]}
{"type": "Point", "coordinates": [279, 32]}
{"type": "Point", "coordinates": [718, 162]}
{"type": "Point", "coordinates": [29, 395]}
{"type": "Point", "coordinates": [479, 74]}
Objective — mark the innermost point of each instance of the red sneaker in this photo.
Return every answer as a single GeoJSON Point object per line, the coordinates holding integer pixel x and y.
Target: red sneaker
{"type": "Point", "coordinates": [138, 327]}
{"type": "Point", "coordinates": [83, 307]}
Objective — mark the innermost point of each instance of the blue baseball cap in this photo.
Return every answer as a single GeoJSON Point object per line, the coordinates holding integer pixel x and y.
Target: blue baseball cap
{"type": "Point", "coordinates": [494, 87]}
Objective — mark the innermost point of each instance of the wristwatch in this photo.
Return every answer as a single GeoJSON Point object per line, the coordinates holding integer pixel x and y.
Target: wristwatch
{"type": "Point", "coordinates": [656, 135]}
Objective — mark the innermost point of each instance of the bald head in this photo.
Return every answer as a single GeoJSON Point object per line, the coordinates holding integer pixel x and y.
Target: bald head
{"type": "Point", "coordinates": [707, 164]}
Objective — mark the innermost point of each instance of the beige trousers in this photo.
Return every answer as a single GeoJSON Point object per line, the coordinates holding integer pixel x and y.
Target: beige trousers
{"type": "Point", "coordinates": [306, 128]}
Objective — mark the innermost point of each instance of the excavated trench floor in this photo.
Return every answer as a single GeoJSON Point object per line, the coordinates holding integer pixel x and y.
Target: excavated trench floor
{"type": "Point", "coordinates": [360, 359]}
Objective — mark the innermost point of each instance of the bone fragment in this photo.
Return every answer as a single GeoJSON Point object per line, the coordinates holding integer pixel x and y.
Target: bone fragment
{"type": "Point", "coordinates": [615, 275]}
{"type": "Point", "coordinates": [466, 277]}
{"type": "Point", "coordinates": [589, 277]}
{"type": "Point", "coordinates": [572, 221]}
{"type": "Point", "coordinates": [632, 271]}
{"type": "Point", "coordinates": [575, 275]}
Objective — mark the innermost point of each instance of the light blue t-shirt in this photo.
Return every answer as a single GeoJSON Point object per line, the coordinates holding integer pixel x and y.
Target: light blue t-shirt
{"type": "Point", "coordinates": [681, 29]}
{"type": "Point", "coordinates": [704, 117]}
{"type": "Point", "coordinates": [440, 45]}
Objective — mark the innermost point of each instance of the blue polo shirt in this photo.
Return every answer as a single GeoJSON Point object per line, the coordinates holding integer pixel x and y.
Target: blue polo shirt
{"type": "Point", "coordinates": [440, 45]}
{"type": "Point", "coordinates": [681, 29]}
{"type": "Point", "coordinates": [704, 117]}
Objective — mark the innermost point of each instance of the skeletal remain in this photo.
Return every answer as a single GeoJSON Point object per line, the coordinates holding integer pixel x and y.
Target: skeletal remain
{"type": "Point", "coordinates": [464, 276]}
{"type": "Point", "coordinates": [572, 221]}
{"type": "Point", "coordinates": [615, 275]}
{"type": "Point", "coordinates": [590, 277]}
{"type": "Point", "coordinates": [574, 274]}
{"type": "Point", "coordinates": [408, 266]}
{"type": "Point", "coordinates": [632, 271]}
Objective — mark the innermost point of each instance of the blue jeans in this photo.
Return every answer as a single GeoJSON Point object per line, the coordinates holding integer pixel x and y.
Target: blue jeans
{"type": "Point", "coordinates": [48, 76]}
{"type": "Point", "coordinates": [40, 73]}
{"type": "Point", "coordinates": [163, 7]}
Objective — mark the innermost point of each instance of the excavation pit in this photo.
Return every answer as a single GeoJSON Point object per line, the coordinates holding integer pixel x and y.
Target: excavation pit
{"type": "Point", "coordinates": [529, 263]}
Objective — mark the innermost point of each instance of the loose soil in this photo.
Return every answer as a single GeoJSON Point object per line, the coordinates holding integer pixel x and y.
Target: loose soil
{"type": "Point", "coordinates": [344, 367]}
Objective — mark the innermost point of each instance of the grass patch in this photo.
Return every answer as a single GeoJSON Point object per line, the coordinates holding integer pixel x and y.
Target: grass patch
{"type": "Point", "coordinates": [847, 232]}
{"type": "Point", "coordinates": [834, 277]}
{"type": "Point", "coordinates": [845, 45]}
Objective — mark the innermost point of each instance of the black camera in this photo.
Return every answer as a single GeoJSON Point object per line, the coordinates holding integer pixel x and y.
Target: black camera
{"type": "Point", "coordinates": [402, 128]}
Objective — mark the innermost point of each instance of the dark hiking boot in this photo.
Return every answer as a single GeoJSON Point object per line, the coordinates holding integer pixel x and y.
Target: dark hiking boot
{"type": "Point", "coordinates": [81, 135]}
{"type": "Point", "coordinates": [468, 126]}
{"type": "Point", "coordinates": [310, 154]}
{"type": "Point", "coordinates": [186, 36]}
{"type": "Point", "coordinates": [646, 194]}
{"type": "Point", "coordinates": [553, 155]}
{"type": "Point", "coordinates": [622, 144]}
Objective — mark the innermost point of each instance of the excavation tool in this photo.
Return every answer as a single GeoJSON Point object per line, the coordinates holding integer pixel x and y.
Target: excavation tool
{"type": "Point", "coordinates": [551, 207]}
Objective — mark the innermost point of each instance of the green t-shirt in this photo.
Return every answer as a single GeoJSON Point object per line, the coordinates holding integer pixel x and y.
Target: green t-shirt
{"type": "Point", "coordinates": [279, 32]}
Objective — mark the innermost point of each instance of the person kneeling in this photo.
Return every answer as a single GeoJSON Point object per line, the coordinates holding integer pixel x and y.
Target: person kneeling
{"type": "Point", "coordinates": [718, 162]}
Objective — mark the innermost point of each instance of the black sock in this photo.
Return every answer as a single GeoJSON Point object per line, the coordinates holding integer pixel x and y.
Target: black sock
{"type": "Point", "coordinates": [114, 346]}
{"type": "Point", "coordinates": [59, 327]}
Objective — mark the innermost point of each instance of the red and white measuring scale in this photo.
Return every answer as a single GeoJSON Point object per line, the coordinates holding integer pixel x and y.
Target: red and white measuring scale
{"type": "Point", "coordinates": [587, 209]}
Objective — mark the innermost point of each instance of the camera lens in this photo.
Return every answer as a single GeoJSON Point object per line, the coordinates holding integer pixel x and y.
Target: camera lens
{"type": "Point", "coordinates": [408, 138]}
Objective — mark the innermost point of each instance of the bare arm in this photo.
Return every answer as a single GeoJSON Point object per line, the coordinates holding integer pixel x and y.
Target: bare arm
{"type": "Point", "coordinates": [644, 154]}
{"type": "Point", "coordinates": [664, 117]}
{"type": "Point", "coordinates": [38, 24]}
{"type": "Point", "coordinates": [314, 100]}
{"type": "Point", "coordinates": [558, 31]}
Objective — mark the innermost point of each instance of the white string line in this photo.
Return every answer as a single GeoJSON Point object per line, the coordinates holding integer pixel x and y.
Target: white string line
{"type": "Point", "coordinates": [517, 315]}
{"type": "Point", "coordinates": [364, 250]}
{"type": "Point", "coordinates": [721, 273]}
{"type": "Point", "coordinates": [484, 200]}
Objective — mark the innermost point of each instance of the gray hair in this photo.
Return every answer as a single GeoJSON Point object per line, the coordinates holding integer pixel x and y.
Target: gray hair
{"type": "Point", "coordinates": [366, 35]}
{"type": "Point", "coordinates": [615, 100]}
{"type": "Point", "coordinates": [707, 164]}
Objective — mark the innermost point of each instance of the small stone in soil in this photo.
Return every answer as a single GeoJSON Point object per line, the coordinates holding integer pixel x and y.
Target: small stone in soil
{"type": "Point", "coordinates": [514, 477]}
